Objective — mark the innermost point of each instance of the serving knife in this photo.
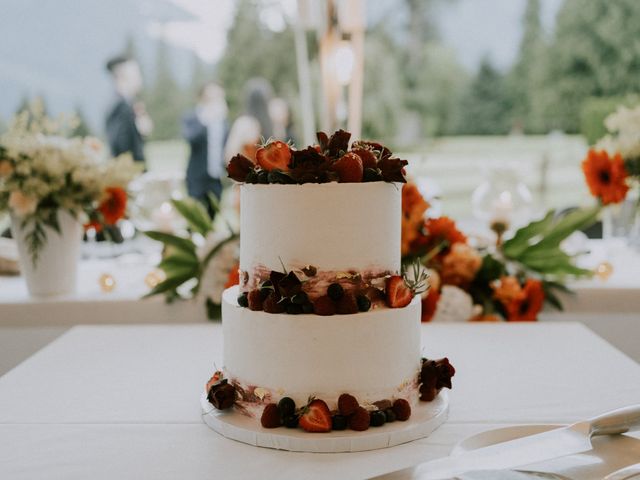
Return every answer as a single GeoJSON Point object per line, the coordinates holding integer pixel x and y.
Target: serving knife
{"type": "Point", "coordinates": [554, 443]}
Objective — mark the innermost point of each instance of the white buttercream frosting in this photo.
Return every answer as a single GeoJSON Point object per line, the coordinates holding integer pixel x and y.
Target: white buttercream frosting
{"type": "Point", "coordinates": [332, 226]}
{"type": "Point", "coordinates": [373, 355]}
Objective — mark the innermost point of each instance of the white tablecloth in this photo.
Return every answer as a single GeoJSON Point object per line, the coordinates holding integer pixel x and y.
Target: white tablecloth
{"type": "Point", "coordinates": [123, 402]}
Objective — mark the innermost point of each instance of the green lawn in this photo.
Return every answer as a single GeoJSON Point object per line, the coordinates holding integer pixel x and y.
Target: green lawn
{"type": "Point", "coordinates": [548, 164]}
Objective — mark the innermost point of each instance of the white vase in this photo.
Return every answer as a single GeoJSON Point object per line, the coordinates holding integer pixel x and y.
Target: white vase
{"type": "Point", "coordinates": [56, 269]}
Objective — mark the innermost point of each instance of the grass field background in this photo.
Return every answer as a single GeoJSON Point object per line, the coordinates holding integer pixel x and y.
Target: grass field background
{"type": "Point", "coordinates": [549, 165]}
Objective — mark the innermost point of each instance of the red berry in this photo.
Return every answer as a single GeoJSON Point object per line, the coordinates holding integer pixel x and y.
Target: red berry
{"type": "Point", "coordinates": [349, 168]}
{"type": "Point", "coordinates": [255, 299]}
{"type": "Point", "coordinates": [347, 304]}
{"type": "Point", "coordinates": [367, 156]}
{"type": "Point", "coordinates": [270, 416]}
{"type": "Point", "coordinates": [272, 305]}
{"type": "Point", "coordinates": [315, 417]}
{"type": "Point", "coordinates": [324, 306]}
{"type": "Point", "coordinates": [274, 155]}
{"type": "Point", "coordinates": [402, 409]}
{"type": "Point", "coordinates": [360, 420]}
{"type": "Point", "coordinates": [398, 294]}
{"type": "Point", "coordinates": [347, 404]}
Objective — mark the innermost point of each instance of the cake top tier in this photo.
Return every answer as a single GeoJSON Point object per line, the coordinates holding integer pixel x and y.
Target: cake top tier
{"type": "Point", "coordinates": [331, 160]}
{"type": "Point", "coordinates": [333, 227]}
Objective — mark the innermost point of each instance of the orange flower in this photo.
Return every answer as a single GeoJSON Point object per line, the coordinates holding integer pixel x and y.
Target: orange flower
{"type": "Point", "coordinates": [507, 290]}
{"type": "Point", "coordinates": [114, 206]}
{"type": "Point", "coordinates": [440, 233]}
{"type": "Point", "coordinates": [429, 304]}
{"type": "Point", "coordinates": [527, 307]}
{"type": "Point", "coordinates": [606, 176]}
{"type": "Point", "coordinates": [460, 266]}
{"type": "Point", "coordinates": [234, 276]}
{"type": "Point", "coordinates": [413, 208]}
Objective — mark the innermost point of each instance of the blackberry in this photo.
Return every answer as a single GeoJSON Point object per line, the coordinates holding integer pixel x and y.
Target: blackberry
{"type": "Point", "coordinates": [307, 307]}
{"type": "Point", "coordinates": [390, 415]}
{"type": "Point", "coordinates": [286, 407]}
{"type": "Point", "coordinates": [371, 175]}
{"type": "Point", "coordinates": [294, 309]}
{"type": "Point", "coordinates": [338, 422]}
{"type": "Point", "coordinates": [335, 291]}
{"type": "Point", "coordinates": [263, 176]}
{"type": "Point", "coordinates": [291, 421]}
{"type": "Point", "coordinates": [378, 418]}
{"type": "Point", "coordinates": [300, 298]}
{"type": "Point", "coordinates": [364, 304]}
{"type": "Point", "coordinates": [243, 300]}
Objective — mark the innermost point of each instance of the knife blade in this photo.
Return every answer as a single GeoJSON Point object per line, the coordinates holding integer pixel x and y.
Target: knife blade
{"type": "Point", "coordinates": [555, 443]}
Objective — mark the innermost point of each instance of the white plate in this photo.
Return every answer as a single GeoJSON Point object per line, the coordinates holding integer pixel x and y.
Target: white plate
{"type": "Point", "coordinates": [425, 418]}
{"type": "Point", "coordinates": [608, 455]}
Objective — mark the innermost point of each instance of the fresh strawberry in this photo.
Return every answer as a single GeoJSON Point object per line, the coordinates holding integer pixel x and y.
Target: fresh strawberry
{"type": "Point", "coordinates": [398, 294]}
{"type": "Point", "coordinates": [272, 304]}
{"type": "Point", "coordinates": [367, 156]}
{"type": "Point", "coordinates": [274, 155]}
{"type": "Point", "coordinates": [347, 304]}
{"type": "Point", "coordinates": [347, 404]}
{"type": "Point", "coordinates": [324, 306]}
{"type": "Point", "coordinates": [270, 416]}
{"type": "Point", "coordinates": [315, 417]}
{"type": "Point", "coordinates": [255, 299]}
{"type": "Point", "coordinates": [360, 420]}
{"type": "Point", "coordinates": [402, 409]}
{"type": "Point", "coordinates": [349, 168]}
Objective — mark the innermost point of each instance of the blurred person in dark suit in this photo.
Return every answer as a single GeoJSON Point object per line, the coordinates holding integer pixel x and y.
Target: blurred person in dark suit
{"type": "Point", "coordinates": [206, 129]}
{"type": "Point", "coordinates": [127, 121]}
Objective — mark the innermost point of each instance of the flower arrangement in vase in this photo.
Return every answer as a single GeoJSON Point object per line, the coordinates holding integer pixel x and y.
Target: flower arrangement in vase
{"type": "Point", "coordinates": [51, 185]}
{"type": "Point", "coordinates": [612, 172]}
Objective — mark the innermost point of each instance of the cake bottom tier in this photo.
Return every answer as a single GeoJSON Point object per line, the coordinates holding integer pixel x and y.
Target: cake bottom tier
{"type": "Point", "coordinates": [373, 355]}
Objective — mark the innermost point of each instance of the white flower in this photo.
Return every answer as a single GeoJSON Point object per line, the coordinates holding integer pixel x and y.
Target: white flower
{"type": "Point", "coordinates": [455, 305]}
{"type": "Point", "coordinates": [21, 204]}
{"type": "Point", "coordinates": [216, 274]}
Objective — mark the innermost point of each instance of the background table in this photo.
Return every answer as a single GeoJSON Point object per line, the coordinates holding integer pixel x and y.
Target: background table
{"type": "Point", "coordinates": [123, 401]}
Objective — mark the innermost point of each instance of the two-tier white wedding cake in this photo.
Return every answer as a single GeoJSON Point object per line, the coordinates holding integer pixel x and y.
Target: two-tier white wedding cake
{"type": "Point", "coordinates": [323, 331]}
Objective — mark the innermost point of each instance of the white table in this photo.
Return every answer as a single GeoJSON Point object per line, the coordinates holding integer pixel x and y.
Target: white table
{"type": "Point", "coordinates": [123, 402]}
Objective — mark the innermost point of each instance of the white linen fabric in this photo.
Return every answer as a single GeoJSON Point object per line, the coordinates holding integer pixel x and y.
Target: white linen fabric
{"type": "Point", "coordinates": [123, 402]}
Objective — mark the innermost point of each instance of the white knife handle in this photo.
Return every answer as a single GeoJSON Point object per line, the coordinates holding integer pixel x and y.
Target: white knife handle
{"type": "Point", "coordinates": [622, 420]}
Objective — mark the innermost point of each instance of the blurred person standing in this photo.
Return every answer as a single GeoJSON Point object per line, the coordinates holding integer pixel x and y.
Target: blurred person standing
{"type": "Point", "coordinates": [127, 122]}
{"type": "Point", "coordinates": [254, 124]}
{"type": "Point", "coordinates": [206, 129]}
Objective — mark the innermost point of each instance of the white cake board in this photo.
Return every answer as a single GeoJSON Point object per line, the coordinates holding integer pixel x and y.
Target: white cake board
{"type": "Point", "coordinates": [425, 418]}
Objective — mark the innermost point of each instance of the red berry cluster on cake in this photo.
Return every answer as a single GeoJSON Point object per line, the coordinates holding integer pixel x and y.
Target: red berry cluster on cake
{"type": "Point", "coordinates": [323, 332]}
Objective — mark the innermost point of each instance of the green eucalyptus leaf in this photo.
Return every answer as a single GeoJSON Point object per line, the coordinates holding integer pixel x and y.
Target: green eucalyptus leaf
{"type": "Point", "coordinates": [520, 241]}
{"type": "Point", "coordinates": [173, 240]}
{"type": "Point", "coordinates": [195, 214]}
{"type": "Point", "coordinates": [169, 285]}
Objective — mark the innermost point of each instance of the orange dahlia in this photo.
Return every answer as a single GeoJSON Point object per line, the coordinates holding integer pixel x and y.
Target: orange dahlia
{"type": "Point", "coordinates": [528, 305]}
{"type": "Point", "coordinates": [429, 304]}
{"type": "Point", "coordinates": [413, 207]}
{"type": "Point", "coordinates": [234, 276]}
{"type": "Point", "coordinates": [440, 233]}
{"type": "Point", "coordinates": [606, 176]}
{"type": "Point", "coordinates": [507, 290]}
{"type": "Point", "coordinates": [114, 205]}
{"type": "Point", "coordinates": [460, 266]}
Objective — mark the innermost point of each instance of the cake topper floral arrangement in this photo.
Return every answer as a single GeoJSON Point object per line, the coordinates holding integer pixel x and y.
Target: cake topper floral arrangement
{"type": "Point", "coordinates": [43, 171]}
{"type": "Point", "coordinates": [331, 160]}
{"type": "Point", "coordinates": [511, 281]}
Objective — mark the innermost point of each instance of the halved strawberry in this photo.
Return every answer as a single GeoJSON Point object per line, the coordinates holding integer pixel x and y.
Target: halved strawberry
{"type": "Point", "coordinates": [398, 293]}
{"type": "Point", "coordinates": [274, 155]}
{"type": "Point", "coordinates": [315, 417]}
{"type": "Point", "coordinates": [349, 168]}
